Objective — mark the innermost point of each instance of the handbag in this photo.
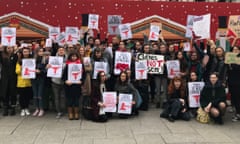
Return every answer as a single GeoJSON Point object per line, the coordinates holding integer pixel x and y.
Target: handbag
{"type": "Point", "coordinates": [202, 116]}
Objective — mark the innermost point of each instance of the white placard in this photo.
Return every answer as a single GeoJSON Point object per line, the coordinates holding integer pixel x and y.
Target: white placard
{"type": "Point", "coordinates": [99, 66]}
{"type": "Point", "coordinates": [74, 72]}
{"type": "Point", "coordinates": [189, 27]}
{"type": "Point", "coordinates": [125, 103]}
{"type": "Point", "coordinates": [186, 46]}
{"type": "Point", "coordinates": [93, 21]}
{"type": "Point", "coordinates": [71, 35]}
{"type": "Point", "coordinates": [56, 67]}
{"type": "Point", "coordinates": [173, 68]}
{"type": "Point", "coordinates": [28, 68]}
{"type": "Point", "coordinates": [86, 60]}
{"type": "Point", "coordinates": [61, 39]}
{"type": "Point", "coordinates": [110, 101]}
{"type": "Point", "coordinates": [141, 69]}
{"type": "Point", "coordinates": [48, 42]}
{"type": "Point", "coordinates": [122, 61]}
{"type": "Point", "coordinates": [154, 32]}
{"type": "Point", "coordinates": [8, 37]}
{"type": "Point", "coordinates": [194, 90]}
{"type": "Point", "coordinates": [113, 22]}
{"type": "Point", "coordinates": [201, 26]}
{"type": "Point", "coordinates": [125, 31]}
{"type": "Point", "coordinates": [53, 33]}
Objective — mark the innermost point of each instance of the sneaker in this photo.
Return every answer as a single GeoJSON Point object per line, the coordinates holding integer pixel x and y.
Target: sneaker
{"type": "Point", "coordinates": [236, 118]}
{"type": "Point", "coordinates": [22, 113]}
{"type": "Point", "coordinates": [27, 112]}
{"type": "Point", "coordinates": [36, 112]}
{"type": "Point", "coordinates": [59, 115]}
{"type": "Point", "coordinates": [41, 113]}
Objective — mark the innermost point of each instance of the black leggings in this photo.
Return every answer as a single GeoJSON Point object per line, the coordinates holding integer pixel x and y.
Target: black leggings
{"type": "Point", "coordinates": [25, 95]}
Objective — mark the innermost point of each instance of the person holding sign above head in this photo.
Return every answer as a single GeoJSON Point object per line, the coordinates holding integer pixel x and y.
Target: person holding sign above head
{"type": "Point", "coordinates": [177, 105]}
{"type": "Point", "coordinates": [73, 77]}
{"type": "Point", "coordinates": [98, 87]}
{"type": "Point", "coordinates": [124, 87]}
{"type": "Point", "coordinates": [24, 87]}
{"type": "Point", "coordinates": [213, 98]}
{"type": "Point", "coordinates": [8, 61]}
{"type": "Point", "coordinates": [38, 82]}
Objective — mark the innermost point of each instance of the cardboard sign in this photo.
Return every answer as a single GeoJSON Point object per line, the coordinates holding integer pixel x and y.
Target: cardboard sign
{"type": "Point", "coordinates": [173, 68]}
{"type": "Point", "coordinates": [231, 58]}
{"type": "Point", "coordinates": [93, 21]}
{"type": "Point", "coordinates": [56, 68]}
{"type": "Point", "coordinates": [113, 22]}
{"type": "Point", "coordinates": [154, 32]}
{"type": "Point", "coordinates": [201, 26]}
{"type": "Point", "coordinates": [110, 101]}
{"type": "Point", "coordinates": [72, 35]}
{"type": "Point", "coordinates": [141, 69]}
{"type": "Point", "coordinates": [125, 103]}
{"type": "Point", "coordinates": [194, 90]}
{"type": "Point", "coordinates": [234, 26]}
{"type": "Point", "coordinates": [74, 72]}
{"type": "Point", "coordinates": [8, 37]}
{"type": "Point", "coordinates": [155, 63]}
{"type": "Point", "coordinates": [53, 33]}
{"type": "Point", "coordinates": [28, 68]}
{"type": "Point", "coordinates": [125, 31]}
{"type": "Point", "coordinates": [99, 66]}
{"type": "Point", "coordinates": [122, 61]}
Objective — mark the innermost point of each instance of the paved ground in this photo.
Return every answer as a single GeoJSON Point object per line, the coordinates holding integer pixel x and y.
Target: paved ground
{"type": "Point", "coordinates": [147, 128]}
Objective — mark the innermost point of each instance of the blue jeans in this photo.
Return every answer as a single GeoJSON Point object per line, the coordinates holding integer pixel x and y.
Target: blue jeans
{"type": "Point", "coordinates": [38, 87]}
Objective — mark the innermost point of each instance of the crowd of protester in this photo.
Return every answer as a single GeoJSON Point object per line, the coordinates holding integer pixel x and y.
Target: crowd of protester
{"type": "Point", "coordinates": [205, 62]}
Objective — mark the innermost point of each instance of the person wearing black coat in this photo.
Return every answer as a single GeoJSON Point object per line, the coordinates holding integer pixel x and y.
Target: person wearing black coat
{"type": "Point", "coordinates": [8, 83]}
{"type": "Point", "coordinates": [213, 98]}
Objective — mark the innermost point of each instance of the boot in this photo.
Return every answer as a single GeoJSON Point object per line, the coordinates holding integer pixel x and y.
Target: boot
{"type": "Point", "coordinates": [76, 113]}
{"type": "Point", "coordinates": [70, 113]}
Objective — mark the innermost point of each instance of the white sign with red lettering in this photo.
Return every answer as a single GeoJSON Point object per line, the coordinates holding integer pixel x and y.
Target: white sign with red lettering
{"type": "Point", "coordinates": [61, 39]}
{"type": "Point", "coordinates": [8, 37]}
{"type": "Point", "coordinates": [187, 46]}
{"type": "Point", "coordinates": [125, 103]}
{"type": "Point", "coordinates": [56, 67]}
{"type": "Point", "coordinates": [113, 22]}
{"type": "Point", "coordinates": [71, 35]}
{"type": "Point", "coordinates": [125, 31]}
{"type": "Point", "coordinates": [141, 69]}
{"type": "Point", "coordinates": [93, 21]}
{"type": "Point", "coordinates": [28, 68]}
{"type": "Point", "coordinates": [122, 61]}
{"type": "Point", "coordinates": [98, 67]}
{"type": "Point", "coordinates": [194, 90]}
{"type": "Point", "coordinates": [173, 68]}
{"type": "Point", "coordinates": [48, 42]}
{"type": "Point", "coordinates": [74, 72]}
{"type": "Point", "coordinates": [154, 32]}
{"type": "Point", "coordinates": [53, 33]}
{"type": "Point", "coordinates": [110, 101]}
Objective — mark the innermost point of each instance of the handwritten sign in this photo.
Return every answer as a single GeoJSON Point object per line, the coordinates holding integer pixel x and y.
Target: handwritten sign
{"type": "Point", "coordinates": [61, 39]}
{"type": "Point", "coordinates": [194, 90]}
{"type": "Point", "coordinates": [113, 22]}
{"type": "Point", "coordinates": [173, 68]}
{"type": "Point", "coordinates": [28, 68]}
{"type": "Point", "coordinates": [234, 25]}
{"type": "Point", "coordinates": [8, 37]}
{"type": "Point", "coordinates": [74, 72]}
{"type": "Point", "coordinates": [201, 26]}
{"type": "Point", "coordinates": [189, 27]}
{"type": "Point", "coordinates": [155, 63]}
{"type": "Point", "coordinates": [186, 46]}
{"type": "Point", "coordinates": [56, 64]}
{"type": "Point", "coordinates": [93, 21]}
{"type": "Point", "coordinates": [141, 69]}
{"type": "Point", "coordinates": [122, 61]}
{"type": "Point", "coordinates": [125, 103]}
{"type": "Point", "coordinates": [72, 35]}
{"type": "Point", "coordinates": [86, 60]}
{"type": "Point", "coordinates": [48, 42]}
{"type": "Point", "coordinates": [110, 101]}
{"type": "Point", "coordinates": [125, 31]}
{"type": "Point", "coordinates": [99, 66]}
{"type": "Point", "coordinates": [231, 58]}
{"type": "Point", "coordinates": [53, 33]}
